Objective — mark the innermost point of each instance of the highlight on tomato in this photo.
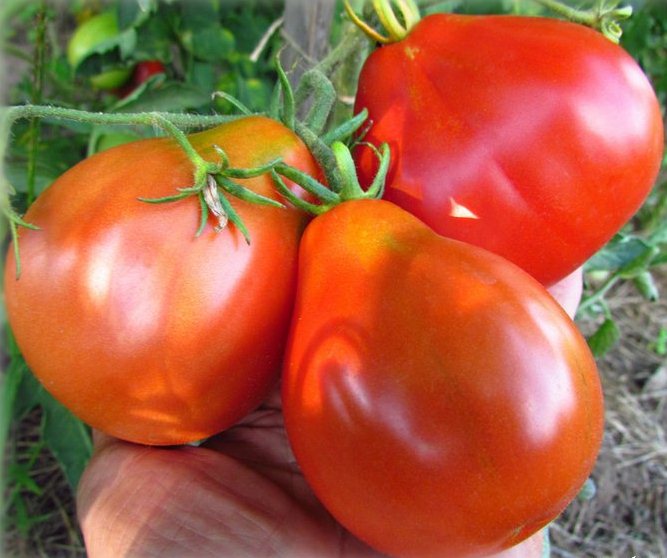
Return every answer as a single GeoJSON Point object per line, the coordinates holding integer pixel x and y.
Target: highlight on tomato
{"type": "Point", "coordinates": [142, 328]}
{"type": "Point", "coordinates": [534, 138]}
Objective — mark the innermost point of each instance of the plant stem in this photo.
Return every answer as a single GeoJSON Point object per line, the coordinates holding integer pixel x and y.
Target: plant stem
{"type": "Point", "coordinates": [604, 16]}
{"type": "Point", "coordinates": [598, 295]}
{"type": "Point", "coordinates": [585, 17]}
{"type": "Point", "coordinates": [36, 99]}
{"type": "Point", "coordinates": [141, 118]}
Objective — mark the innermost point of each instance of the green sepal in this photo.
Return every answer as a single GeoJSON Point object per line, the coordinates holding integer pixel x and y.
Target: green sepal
{"type": "Point", "coordinates": [323, 155]}
{"type": "Point", "coordinates": [289, 107]}
{"type": "Point", "coordinates": [376, 189]}
{"type": "Point", "coordinates": [295, 200]}
{"type": "Point", "coordinates": [243, 109]}
{"type": "Point", "coordinates": [245, 194]}
{"type": "Point", "coordinates": [346, 129]}
{"type": "Point", "coordinates": [253, 172]}
{"type": "Point", "coordinates": [166, 199]}
{"type": "Point", "coordinates": [308, 183]}
{"type": "Point", "coordinates": [16, 219]}
{"type": "Point", "coordinates": [203, 215]}
{"type": "Point", "coordinates": [234, 217]}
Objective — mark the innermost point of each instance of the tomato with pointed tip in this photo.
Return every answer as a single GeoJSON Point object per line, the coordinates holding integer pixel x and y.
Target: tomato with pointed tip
{"type": "Point", "coordinates": [141, 328]}
{"type": "Point", "coordinates": [534, 138]}
{"type": "Point", "coordinates": [438, 400]}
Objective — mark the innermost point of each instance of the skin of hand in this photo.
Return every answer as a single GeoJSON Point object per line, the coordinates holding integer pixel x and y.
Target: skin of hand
{"type": "Point", "coordinates": [240, 494]}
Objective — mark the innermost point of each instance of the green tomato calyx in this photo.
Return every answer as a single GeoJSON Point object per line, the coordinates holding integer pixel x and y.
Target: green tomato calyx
{"type": "Point", "coordinates": [397, 24]}
{"type": "Point", "coordinates": [346, 184]}
{"type": "Point", "coordinates": [604, 16]}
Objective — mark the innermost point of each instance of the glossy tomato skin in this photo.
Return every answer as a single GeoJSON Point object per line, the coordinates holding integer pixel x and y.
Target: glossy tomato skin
{"type": "Point", "coordinates": [534, 138]}
{"type": "Point", "coordinates": [142, 329]}
{"type": "Point", "coordinates": [438, 400]}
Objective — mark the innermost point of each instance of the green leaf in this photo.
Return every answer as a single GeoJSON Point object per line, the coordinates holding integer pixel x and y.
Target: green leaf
{"type": "Point", "coordinates": [604, 338]}
{"type": "Point", "coordinates": [108, 53]}
{"type": "Point", "coordinates": [640, 263]}
{"type": "Point", "coordinates": [67, 437]}
{"type": "Point", "coordinates": [154, 40]}
{"type": "Point", "coordinates": [212, 43]}
{"type": "Point", "coordinates": [134, 13]}
{"type": "Point", "coordinates": [171, 97]}
{"type": "Point", "coordinates": [619, 253]}
{"type": "Point", "coordinates": [29, 392]}
{"type": "Point", "coordinates": [203, 75]}
{"type": "Point", "coordinates": [196, 15]}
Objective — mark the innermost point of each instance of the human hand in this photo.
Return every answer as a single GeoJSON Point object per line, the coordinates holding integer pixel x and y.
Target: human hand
{"type": "Point", "coordinates": [240, 494]}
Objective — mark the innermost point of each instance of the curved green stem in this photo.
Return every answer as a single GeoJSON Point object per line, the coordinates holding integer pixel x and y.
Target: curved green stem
{"type": "Point", "coordinates": [314, 83]}
{"type": "Point", "coordinates": [598, 296]}
{"type": "Point", "coordinates": [384, 9]}
{"type": "Point", "coordinates": [604, 16]}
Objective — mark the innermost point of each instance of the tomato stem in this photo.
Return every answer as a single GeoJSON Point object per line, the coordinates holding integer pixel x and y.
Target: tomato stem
{"type": "Point", "coordinates": [604, 16]}
{"type": "Point", "coordinates": [386, 13]}
{"type": "Point", "coordinates": [348, 188]}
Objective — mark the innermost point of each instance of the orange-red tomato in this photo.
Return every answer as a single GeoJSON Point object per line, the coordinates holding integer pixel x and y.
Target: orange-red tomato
{"type": "Point", "coordinates": [534, 138]}
{"type": "Point", "coordinates": [142, 329]}
{"type": "Point", "coordinates": [438, 400]}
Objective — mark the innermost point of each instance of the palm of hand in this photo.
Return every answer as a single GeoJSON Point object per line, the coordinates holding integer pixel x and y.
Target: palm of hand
{"type": "Point", "coordinates": [239, 495]}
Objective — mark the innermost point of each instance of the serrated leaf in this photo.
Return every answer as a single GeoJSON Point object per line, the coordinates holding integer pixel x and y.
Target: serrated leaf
{"type": "Point", "coordinates": [108, 53]}
{"type": "Point", "coordinates": [67, 437]}
{"type": "Point", "coordinates": [604, 338]}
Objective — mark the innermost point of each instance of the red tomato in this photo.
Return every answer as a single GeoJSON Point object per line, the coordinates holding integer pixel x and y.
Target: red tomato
{"type": "Point", "coordinates": [143, 330]}
{"type": "Point", "coordinates": [534, 138]}
{"type": "Point", "coordinates": [438, 400]}
{"type": "Point", "coordinates": [145, 69]}
{"type": "Point", "coordinates": [142, 71]}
